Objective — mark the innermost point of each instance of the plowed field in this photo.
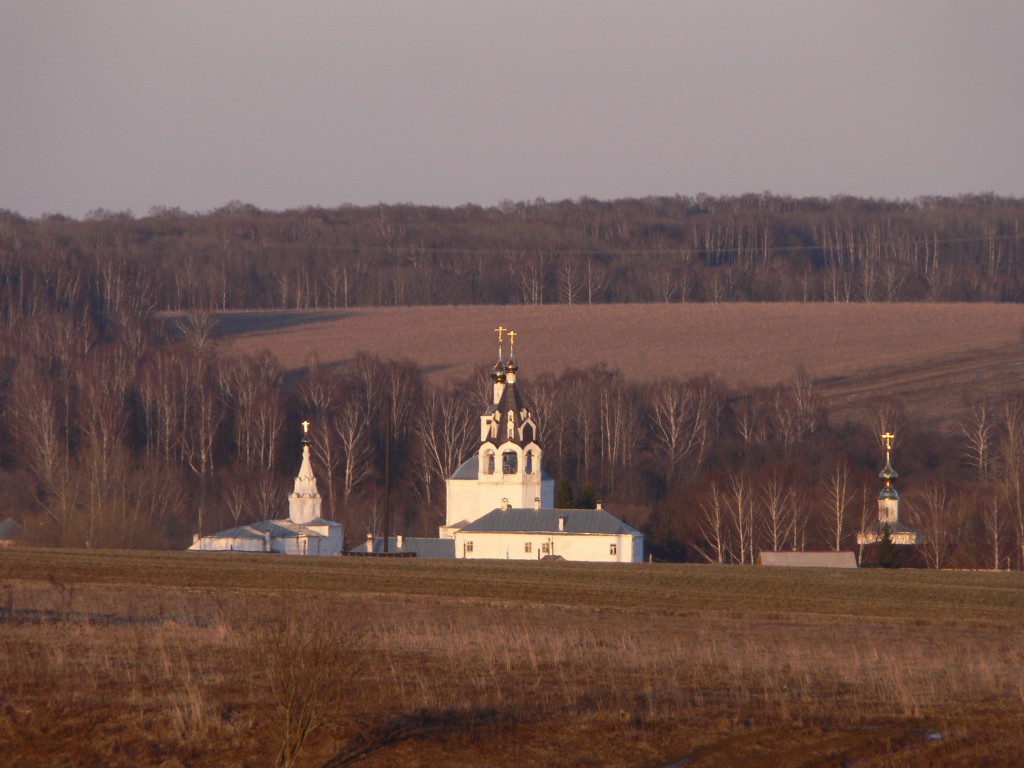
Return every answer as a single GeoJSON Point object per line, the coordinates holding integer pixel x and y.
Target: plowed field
{"type": "Point", "coordinates": [935, 357]}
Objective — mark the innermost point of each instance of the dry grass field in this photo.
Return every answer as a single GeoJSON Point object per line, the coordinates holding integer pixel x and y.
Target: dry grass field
{"type": "Point", "coordinates": [151, 658]}
{"type": "Point", "coordinates": [932, 356]}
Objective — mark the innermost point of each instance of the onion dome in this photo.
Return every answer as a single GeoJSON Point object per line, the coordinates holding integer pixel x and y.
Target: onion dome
{"type": "Point", "coordinates": [512, 366]}
{"type": "Point", "coordinates": [888, 474]}
{"type": "Point", "coordinates": [498, 372]}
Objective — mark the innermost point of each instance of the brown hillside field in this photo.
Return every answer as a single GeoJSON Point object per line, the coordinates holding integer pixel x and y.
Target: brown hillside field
{"type": "Point", "coordinates": [174, 659]}
{"type": "Point", "coordinates": [935, 357]}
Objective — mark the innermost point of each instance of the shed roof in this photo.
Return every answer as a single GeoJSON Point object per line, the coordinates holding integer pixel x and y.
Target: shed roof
{"type": "Point", "coordinates": [808, 559]}
{"type": "Point", "coordinates": [10, 529]}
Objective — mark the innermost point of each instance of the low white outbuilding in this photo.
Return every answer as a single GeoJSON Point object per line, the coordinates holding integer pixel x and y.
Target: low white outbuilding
{"type": "Point", "coordinates": [591, 535]}
{"type": "Point", "coordinates": [808, 559]}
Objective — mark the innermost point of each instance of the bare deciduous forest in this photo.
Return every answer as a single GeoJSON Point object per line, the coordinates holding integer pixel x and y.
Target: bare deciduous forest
{"type": "Point", "coordinates": [121, 429]}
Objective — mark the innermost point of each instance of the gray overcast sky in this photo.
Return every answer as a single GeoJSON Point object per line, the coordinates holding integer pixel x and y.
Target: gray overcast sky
{"type": "Point", "coordinates": [195, 103]}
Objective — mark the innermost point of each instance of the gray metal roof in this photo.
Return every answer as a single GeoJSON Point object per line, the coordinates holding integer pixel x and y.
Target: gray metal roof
{"type": "Point", "coordinates": [428, 548]}
{"type": "Point", "coordinates": [279, 529]}
{"type": "Point", "coordinates": [808, 559]}
{"type": "Point", "coordinates": [528, 520]}
{"type": "Point", "coordinates": [469, 469]}
{"type": "Point", "coordinates": [10, 529]}
{"type": "Point", "coordinates": [321, 521]}
{"type": "Point", "coordinates": [241, 532]}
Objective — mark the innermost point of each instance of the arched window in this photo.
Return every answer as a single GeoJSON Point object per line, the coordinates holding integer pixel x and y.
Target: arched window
{"type": "Point", "coordinates": [529, 462]}
{"type": "Point", "coordinates": [528, 433]}
{"type": "Point", "coordinates": [509, 463]}
{"type": "Point", "coordinates": [489, 466]}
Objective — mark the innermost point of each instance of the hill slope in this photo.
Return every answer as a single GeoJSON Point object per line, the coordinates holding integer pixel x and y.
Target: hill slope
{"type": "Point", "coordinates": [933, 356]}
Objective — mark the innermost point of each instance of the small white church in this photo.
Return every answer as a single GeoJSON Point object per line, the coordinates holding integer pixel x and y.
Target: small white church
{"type": "Point", "coordinates": [500, 502]}
{"type": "Point", "coordinates": [889, 508]}
{"type": "Point", "coordinates": [303, 532]}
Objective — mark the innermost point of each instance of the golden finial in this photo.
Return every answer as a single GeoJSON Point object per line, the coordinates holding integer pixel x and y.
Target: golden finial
{"type": "Point", "coordinates": [500, 330]}
{"type": "Point", "coordinates": [305, 427]}
{"type": "Point", "coordinates": [511, 342]}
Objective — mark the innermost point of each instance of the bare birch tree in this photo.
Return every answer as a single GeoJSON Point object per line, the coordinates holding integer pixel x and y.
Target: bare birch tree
{"type": "Point", "coordinates": [445, 429]}
{"type": "Point", "coordinates": [837, 501]}
{"type": "Point", "coordinates": [994, 526]}
{"type": "Point", "coordinates": [713, 527]}
{"type": "Point", "coordinates": [741, 509]}
{"type": "Point", "coordinates": [778, 506]}
{"type": "Point", "coordinates": [938, 517]}
{"type": "Point", "coordinates": [978, 429]}
{"type": "Point", "coordinates": [683, 422]}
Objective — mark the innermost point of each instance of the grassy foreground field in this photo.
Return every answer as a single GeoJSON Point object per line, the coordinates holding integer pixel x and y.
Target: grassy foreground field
{"type": "Point", "coordinates": [933, 356]}
{"type": "Point", "coordinates": [175, 659]}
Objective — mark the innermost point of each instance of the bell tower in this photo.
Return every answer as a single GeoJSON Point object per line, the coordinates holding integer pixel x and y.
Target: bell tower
{"type": "Point", "coordinates": [506, 469]}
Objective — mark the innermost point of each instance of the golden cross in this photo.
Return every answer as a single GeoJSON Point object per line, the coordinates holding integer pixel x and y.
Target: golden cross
{"type": "Point", "coordinates": [887, 436]}
{"type": "Point", "coordinates": [305, 426]}
{"type": "Point", "coordinates": [511, 342]}
{"type": "Point", "coordinates": [500, 331]}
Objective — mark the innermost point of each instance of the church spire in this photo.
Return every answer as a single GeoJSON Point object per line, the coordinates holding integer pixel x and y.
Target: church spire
{"type": "Point", "coordinates": [304, 500]}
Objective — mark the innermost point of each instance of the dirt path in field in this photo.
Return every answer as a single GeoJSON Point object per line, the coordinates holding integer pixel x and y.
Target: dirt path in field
{"type": "Point", "coordinates": [936, 390]}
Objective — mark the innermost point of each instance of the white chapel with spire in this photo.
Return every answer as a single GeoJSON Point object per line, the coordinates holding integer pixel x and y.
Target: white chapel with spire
{"type": "Point", "coordinates": [303, 532]}
{"type": "Point", "coordinates": [889, 508]}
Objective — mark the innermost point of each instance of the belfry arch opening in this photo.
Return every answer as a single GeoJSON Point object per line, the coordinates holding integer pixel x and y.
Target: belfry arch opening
{"type": "Point", "coordinates": [509, 462]}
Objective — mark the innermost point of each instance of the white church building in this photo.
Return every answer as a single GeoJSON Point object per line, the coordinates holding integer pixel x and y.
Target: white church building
{"type": "Point", "coordinates": [500, 502]}
{"type": "Point", "coordinates": [889, 508]}
{"type": "Point", "coordinates": [303, 532]}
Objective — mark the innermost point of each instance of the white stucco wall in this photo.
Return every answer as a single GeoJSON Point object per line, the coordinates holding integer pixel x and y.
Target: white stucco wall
{"type": "Point", "coordinates": [227, 544]}
{"type": "Point", "coordinates": [581, 547]}
{"type": "Point", "coordinates": [469, 500]}
{"type": "Point", "coordinates": [332, 542]}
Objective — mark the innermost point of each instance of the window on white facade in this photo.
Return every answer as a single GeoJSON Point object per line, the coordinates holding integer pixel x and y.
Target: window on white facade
{"type": "Point", "coordinates": [469, 546]}
{"type": "Point", "coordinates": [528, 546]}
{"type": "Point", "coordinates": [529, 462]}
{"type": "Point", "coordinates": [545, 548]}
{"type": "Point", "coordinates": [613, 549]}
{"type": "Point", "coordinates": [490, 464]}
